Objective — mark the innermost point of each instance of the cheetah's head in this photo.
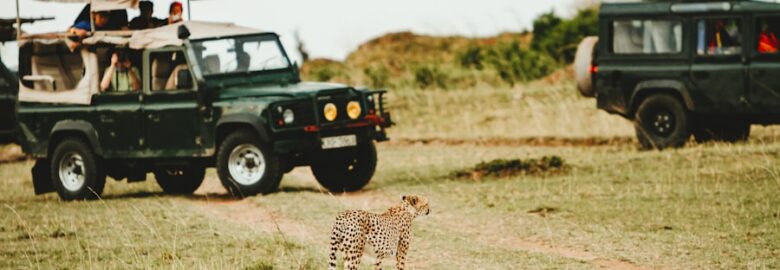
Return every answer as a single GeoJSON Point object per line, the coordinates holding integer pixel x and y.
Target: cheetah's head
{"type": "Point", "coordinates": [417, 205]}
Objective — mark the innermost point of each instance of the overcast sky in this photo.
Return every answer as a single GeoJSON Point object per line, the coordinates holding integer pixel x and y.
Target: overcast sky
{"type": "Point", "coordinates": [332, 29]}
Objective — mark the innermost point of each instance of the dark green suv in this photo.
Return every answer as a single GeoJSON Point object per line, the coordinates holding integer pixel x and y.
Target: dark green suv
{"type": "Point", "coordinates": [707, 69]}
{"type": "Point", "coordinates": [211, 95]}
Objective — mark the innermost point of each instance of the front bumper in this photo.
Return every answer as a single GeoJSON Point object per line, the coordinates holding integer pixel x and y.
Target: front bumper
{"type": "Point", "coordinates": [307, 142]}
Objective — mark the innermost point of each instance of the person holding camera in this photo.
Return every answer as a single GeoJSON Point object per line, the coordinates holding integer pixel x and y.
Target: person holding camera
{"type": "Point", "coordinates": [121, 75]}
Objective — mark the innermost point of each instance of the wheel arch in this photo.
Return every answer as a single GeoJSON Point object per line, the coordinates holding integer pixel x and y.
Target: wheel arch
{"type": "Point", "coordinates": [674, 88]}
{"type": "Point", "coordinates": [231, 123]}
{"type": "Point", "coordinates": [74, 128]}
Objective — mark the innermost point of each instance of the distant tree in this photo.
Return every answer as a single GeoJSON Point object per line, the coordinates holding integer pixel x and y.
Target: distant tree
{"type": "Point", "coordinates": [543, 25]}
{"type": "Point", "coordinates": [559, 38]}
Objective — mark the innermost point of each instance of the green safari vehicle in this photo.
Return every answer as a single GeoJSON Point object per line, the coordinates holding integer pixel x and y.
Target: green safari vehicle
{"type": "Point", "coordinates": [212, 95]}
{"type": "Point", "coordinates": [679, 69]}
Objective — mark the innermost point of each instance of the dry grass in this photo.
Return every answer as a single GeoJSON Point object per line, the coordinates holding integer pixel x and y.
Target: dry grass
{"type": "Point", "coordinates": [705, 206]}
{"type": "Point", "coordinates": [710, 206]}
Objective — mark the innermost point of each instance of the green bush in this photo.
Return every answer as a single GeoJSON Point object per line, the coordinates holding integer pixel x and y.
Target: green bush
{"type": "Point", "coordinates": [323, 74]}
{"type": "Point", "coordinates": [471, 57]}
{"type": "Point", "coordinates": [510, 167]}
{"type": "Point", "coordinates": [429, 76]}
{"type": "Point", "coordinates": [378, 76]}
{"type": "Point", "coordinates": [559, 38]}
{"type": "Point", "coordinates": [516, 64]}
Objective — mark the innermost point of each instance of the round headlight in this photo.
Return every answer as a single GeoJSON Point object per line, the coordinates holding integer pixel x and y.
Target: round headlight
{"type": "Point", "coordinates": [330, 112]}
{"type": "Point", "coordinates": [288, 116]}
{"type": "Point", "coordinates": [353, 109]}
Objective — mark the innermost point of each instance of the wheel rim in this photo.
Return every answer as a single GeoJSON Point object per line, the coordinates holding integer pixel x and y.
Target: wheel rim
{"type": "Point", "coordinates": [661, 122]}
{"type": "Point", "coordinates": [246, 164]}
{"type": "Point", "coordinates": [71, 171]}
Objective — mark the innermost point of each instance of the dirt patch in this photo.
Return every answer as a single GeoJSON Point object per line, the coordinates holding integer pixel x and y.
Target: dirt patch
{"type": "Point", "coordinates": [535, 141]}
{"type": "Point", "coordinates": [214, 200]}
{"type": "Point", "coordinates": [510, 167]}
{"type": "Point", "coordinates": [584, 256]}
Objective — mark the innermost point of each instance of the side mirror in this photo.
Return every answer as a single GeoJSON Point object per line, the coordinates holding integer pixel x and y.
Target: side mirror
{"type": "Point", "coordinates": [183, 32]}
{"type": "Point", "coordinates": [183, 79]}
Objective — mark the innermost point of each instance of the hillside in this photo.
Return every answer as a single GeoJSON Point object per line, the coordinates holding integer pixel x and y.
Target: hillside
{"type": "Point", "coordinates": [409, 60]}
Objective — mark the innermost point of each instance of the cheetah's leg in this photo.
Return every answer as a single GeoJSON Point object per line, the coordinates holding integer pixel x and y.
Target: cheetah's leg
{"type": "Point", "coordinates": [378, 263]}
{"type": "Point", "coordinates": [403, 246]}
{"type": "Point", "coordinates": [355, 252]}
{"type": "Point", "coordinates": [335, 246]}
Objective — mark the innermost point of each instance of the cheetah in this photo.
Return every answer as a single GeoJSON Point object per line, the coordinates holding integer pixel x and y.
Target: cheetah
{"type": "Point", "coordinates": [388, 233]}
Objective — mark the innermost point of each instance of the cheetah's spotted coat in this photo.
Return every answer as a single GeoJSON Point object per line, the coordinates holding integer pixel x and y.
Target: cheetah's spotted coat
{"type": "Point", "coordinates": [388, 233]}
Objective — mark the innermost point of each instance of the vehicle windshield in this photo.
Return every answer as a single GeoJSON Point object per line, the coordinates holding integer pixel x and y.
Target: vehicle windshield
{"type": "Point", "coordinates": [240, 55]}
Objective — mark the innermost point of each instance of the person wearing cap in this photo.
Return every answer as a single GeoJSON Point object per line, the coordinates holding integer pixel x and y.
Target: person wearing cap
{"type": "Point", "coordinates": [83, 27]}
{"type": "Point", "coordinates": [175, 12]}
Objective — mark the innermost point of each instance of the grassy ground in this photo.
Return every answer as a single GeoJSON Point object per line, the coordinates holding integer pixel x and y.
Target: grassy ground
{"type": "Point", "coordinates": [707, 206]}
{"type": "Point", "coordinates": [704, 206]}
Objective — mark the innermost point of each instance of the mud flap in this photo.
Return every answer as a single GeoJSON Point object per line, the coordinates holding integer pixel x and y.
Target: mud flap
{"type": "Point", "coordinates": [41, 177]}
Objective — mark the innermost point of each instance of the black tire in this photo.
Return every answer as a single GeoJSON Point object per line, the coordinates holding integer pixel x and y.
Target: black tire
{"type": "Point", "coordinates": [661, 122]}
{"type": "Point", "coordinates": [726, 131]}
{"type": "Point", "coordinates": [181, 181]}
{"type": "Point", "coordinates": [345, 170]}
{"type": "Point", "coordinates": [237, 185]}
{"type": "Point", "coordinates": [73, 162]}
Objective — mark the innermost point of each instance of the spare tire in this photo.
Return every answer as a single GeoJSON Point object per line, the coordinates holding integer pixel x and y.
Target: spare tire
{"type": "Point", "coordinates": [582, 63]}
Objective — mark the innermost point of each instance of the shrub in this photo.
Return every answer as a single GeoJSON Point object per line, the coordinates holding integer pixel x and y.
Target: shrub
{"type": "Point", "coordinates": [428, 76]}
{"type": "Point", "coordinates": [378, 76]}
{"type": "Point", "coordinates": [516, 64]}
{"type": "Point", "coordinates": [511, 167]}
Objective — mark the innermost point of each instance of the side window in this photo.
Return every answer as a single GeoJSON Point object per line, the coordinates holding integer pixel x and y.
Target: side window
{"type": "Point", "coordinates": [646, 37]}
{"type": "Point", "coordinates": [718, 37]}
{"type": "Point", "coordinates": [170, 71]}
{"type": "Point", "coordinates": [51, 67]}
{"type": "Point", "coordinates": [767, 30]}
{"type": "Point", "coordinates": [119, 70]}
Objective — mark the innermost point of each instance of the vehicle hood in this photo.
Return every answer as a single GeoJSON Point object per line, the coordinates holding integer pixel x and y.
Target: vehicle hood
{"type": "Point", "coordinates": [291, 90]}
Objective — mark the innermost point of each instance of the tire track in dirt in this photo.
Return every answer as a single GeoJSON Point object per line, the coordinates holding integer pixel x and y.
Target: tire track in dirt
{"type": "Point", "coordinates": [530, 141]}
{"type": "Point", "coordinates": [214, 201]}
{"type": "Point", "coordinates": [508, 241]}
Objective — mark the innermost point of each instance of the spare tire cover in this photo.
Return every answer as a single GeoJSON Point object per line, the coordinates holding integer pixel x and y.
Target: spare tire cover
{"type": "Point", "coordinates": [582, 62]}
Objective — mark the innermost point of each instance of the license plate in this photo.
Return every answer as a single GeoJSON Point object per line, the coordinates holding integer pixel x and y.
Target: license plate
{"type": "Point", "coordinates": [339, 141]}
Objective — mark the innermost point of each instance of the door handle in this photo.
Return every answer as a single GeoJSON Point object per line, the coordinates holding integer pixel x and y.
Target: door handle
{"type": "Point", "coordinates": [153, 117]}
{"type": "Point", "coordinates": [106, 118]}
{"type": "Point", "coordinates": [701, 75]}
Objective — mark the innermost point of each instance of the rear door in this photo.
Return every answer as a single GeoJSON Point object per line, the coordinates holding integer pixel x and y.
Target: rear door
{"type": "Point", "coordinates": [640, 49]}
{"type": "Point", "coordinates": [764, 93]}
{"type": "Point", "coordinates": [719, 67]}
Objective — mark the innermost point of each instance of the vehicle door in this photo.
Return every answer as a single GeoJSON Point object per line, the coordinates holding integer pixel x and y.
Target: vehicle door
{"type": "Point", "coordinates": [173, 122]}
{"type": "Point", "coordinates": [642, 49]}
{"type": "Point", "coordinates": [764, 93]}
{"type": "Point", "coordinates": [118, 123]}
{"type": "Point", "coordinates": [719, 66]}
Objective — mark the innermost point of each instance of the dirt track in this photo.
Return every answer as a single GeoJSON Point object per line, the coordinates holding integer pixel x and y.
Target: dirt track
{"type": "Point", "coordinates": [258, 218]}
